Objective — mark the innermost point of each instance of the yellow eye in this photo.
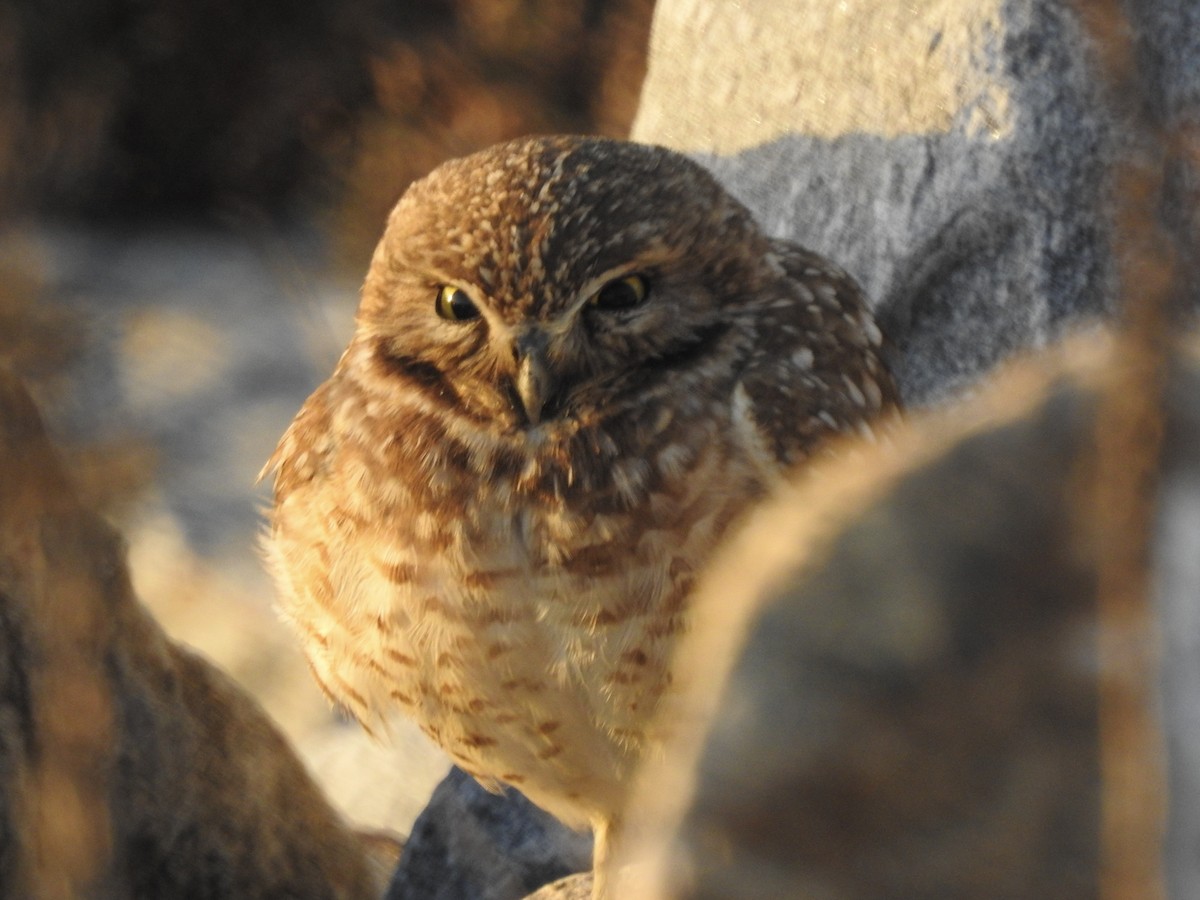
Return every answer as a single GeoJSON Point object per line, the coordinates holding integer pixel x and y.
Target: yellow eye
{"type": "Point", "coordinates": [454, 304]}
{"type": "Point", "coordinates": [622, 293]}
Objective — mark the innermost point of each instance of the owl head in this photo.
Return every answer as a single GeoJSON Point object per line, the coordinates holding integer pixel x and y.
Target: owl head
{"type": "Point", "coordinates": [538, 279]}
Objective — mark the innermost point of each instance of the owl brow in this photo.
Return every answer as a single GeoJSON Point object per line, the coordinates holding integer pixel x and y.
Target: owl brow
{"type": "Point", "coordinates": [592, 285]}
{"type": "Point", "coordinates": [435, 278]}
{"type": "Point", "coordinates": [647, 264]}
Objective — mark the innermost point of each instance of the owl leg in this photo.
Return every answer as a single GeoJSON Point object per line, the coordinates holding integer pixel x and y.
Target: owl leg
{"type": "Point", "coordinates": [606, 836]}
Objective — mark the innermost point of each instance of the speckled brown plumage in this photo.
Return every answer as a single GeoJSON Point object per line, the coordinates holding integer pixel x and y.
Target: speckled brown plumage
{"type": "Point", "coordinates": [493, 525]}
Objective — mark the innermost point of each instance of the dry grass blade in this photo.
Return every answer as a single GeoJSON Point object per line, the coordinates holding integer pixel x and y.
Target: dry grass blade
{"type": "Point", "coordinates": [1129, 427]}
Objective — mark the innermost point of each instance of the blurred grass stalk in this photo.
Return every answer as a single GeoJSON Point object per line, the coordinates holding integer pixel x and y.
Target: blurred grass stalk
{"type": "Point", "coordinates": [1128, 440]}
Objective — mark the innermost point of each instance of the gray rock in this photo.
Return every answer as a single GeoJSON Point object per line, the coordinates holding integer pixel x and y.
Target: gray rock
{"type": "Point", "coordinates": [1177, 578]}
{"type": "Point", "coordinates": [956, 157]}
{"type": "Point", "coordinates": [573, 887]}
{"type": "Point", "coordinates": [470, 844]}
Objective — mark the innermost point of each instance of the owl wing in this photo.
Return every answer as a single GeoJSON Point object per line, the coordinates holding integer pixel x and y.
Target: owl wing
{"type": "Point", "coordinates": [817, 368]}
{"type": "Point", "coordinates": [303, 448]}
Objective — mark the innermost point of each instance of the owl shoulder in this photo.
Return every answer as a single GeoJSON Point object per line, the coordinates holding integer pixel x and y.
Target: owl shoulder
{"type": "Point", "coordinates": [815, 369]}
{"type": "Point", "coordinates": [304, 449]}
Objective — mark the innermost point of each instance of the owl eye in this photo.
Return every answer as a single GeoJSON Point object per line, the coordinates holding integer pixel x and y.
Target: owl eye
{"type": "Point", "coordinates": [454, 304]}
{"type": "Point", "coordinates": [622, 293]}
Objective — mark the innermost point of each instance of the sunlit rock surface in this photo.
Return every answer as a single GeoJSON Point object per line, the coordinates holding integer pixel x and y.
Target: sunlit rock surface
{"type": "Point", "coordinates": [955, 157]}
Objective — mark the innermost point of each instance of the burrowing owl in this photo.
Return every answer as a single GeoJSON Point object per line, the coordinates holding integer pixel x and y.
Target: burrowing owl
{"type": "Point", "coordinates": [576, 362]}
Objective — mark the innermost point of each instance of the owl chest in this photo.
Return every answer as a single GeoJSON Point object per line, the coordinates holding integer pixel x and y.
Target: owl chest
{"type": "Point", "coordinates": [569, 518]}
{"type": "Point", "coordinates": [543, 632]}
{"type": "Point", "coordinates": [513, 618]}
{"type": "Point", "coordinates": [565, 559]}
{"type": "Point", "coordinates": [506, 556]}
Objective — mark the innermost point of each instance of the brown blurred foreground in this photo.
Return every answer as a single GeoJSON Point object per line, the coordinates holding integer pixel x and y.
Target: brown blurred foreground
{"type": "Point", "coordinates": [897, 670]}
{"type": "Point", "coordinates": [131, 767]}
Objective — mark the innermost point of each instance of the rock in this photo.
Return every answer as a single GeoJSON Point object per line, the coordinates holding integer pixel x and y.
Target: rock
{"type": "Point", "coordinates": [128, 766]}
{"type": "Point", "coordinates": [470, 844]}
{"type": "Point", "coordinates": [956, 157]}
{"type": "Point", "coordinates": [1176, 566]}
{"type": "Point", "coordinates": [573, 887]}
{"type": "Point", "coordinates": [910, 636]}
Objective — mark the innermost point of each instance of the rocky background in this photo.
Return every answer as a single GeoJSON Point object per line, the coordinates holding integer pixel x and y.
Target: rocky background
{"type": "Point", "coordinates": [964, 646]}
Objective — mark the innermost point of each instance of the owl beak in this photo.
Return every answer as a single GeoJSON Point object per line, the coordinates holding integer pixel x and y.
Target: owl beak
{"type": "Point", "coordinates": [533, 377]}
